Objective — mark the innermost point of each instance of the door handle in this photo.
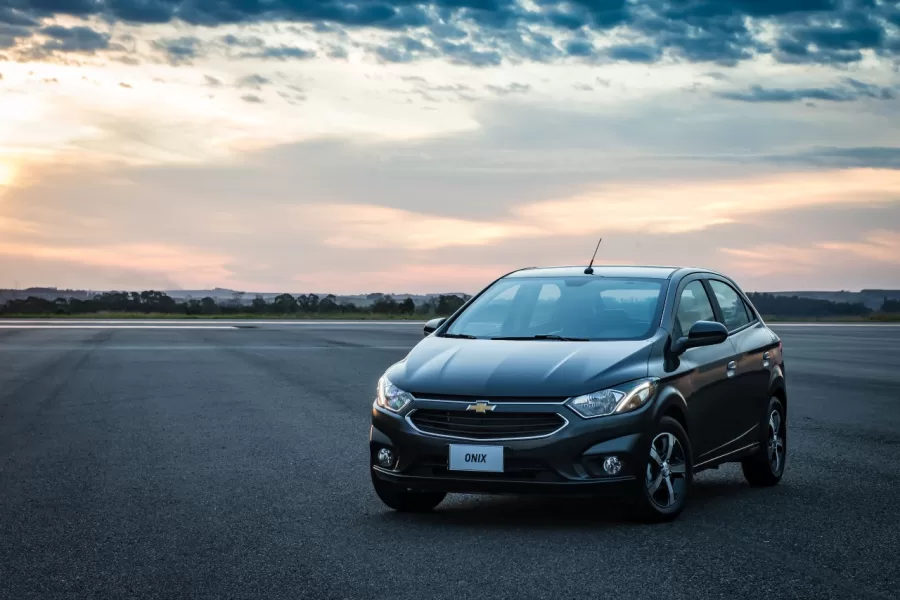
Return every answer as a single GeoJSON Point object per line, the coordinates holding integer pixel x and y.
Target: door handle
{"type": "Point", "coordinates": [731, 368]}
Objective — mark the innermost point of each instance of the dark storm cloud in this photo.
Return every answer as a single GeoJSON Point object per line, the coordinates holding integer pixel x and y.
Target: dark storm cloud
{"type": "Point", "coordinates": [851, 90]}
{"type": "Point", "coordinates": [485, 32]}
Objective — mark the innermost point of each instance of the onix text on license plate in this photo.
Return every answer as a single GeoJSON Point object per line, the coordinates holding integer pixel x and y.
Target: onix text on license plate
{"type": "Point", "coordinates": [476, 458]}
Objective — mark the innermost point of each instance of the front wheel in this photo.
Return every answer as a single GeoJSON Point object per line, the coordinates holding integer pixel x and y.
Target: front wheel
{"type": "Point", "coordinates": [663, 489]}
{"type": "Point", "coordinates": [766, 466]}
{"type": "Point", "coordinates": [404, 500]}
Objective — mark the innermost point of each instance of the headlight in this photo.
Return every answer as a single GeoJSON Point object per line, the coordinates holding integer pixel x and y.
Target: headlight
{"type": "Point", "coordinates": [621, 399]}
{"type": "Point", "coordinates": [391, 397]}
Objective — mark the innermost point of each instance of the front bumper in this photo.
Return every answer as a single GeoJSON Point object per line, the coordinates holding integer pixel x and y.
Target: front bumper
{"type": "Point", "coordinates": [569, 461]}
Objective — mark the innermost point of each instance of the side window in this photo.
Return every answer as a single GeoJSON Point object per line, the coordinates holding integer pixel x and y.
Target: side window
{"type": "Point", "coordinates": [733, 309]}
{"type": "Point", "coordinates": [750, 314]}
{"type": "Point", "coordinates": [693, 306]}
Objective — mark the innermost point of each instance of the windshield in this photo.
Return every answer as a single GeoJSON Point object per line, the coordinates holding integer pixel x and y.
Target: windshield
{"type": "Point", "coordinates": [581, 308]}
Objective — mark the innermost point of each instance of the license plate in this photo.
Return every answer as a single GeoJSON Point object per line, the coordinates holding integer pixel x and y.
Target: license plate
{"type": "Point", "coordinates": [476, 458]}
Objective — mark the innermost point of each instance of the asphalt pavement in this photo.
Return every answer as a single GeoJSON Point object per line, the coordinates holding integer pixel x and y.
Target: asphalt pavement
{"type": "Point", "coordinates": [219, 460]}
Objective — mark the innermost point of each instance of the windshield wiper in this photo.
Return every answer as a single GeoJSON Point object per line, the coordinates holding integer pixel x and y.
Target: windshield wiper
{"type": "Point", "coordinates": [464, 336]}
{"type": "Point", "coordinates": [543, 336]}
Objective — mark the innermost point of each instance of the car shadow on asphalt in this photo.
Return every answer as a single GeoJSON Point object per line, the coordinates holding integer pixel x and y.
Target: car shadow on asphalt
{"type": "Point", "coordinates": [561, 512]}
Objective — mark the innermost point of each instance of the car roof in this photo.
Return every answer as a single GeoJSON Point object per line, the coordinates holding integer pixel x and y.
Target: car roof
{"type": "Point", "coordinates": [650, 272]}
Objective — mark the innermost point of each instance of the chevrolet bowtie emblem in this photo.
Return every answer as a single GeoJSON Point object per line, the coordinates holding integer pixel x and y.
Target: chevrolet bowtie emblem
{"type": "Point", "coordinates": [481, 407]}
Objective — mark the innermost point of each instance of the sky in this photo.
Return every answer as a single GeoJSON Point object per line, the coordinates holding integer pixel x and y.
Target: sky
{"type": "Point", "coordinates": [351, 146]}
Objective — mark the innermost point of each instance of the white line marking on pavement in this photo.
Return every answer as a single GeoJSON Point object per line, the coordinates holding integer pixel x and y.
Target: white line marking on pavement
{"type": "Point", "coordinates": [777, 325]}
{"type": "Point", "coordinates": [191, 323]}
{"type": "Point", "coordinates": [136, 326]}
{"type": "Point", "coordinates": [4, 347]}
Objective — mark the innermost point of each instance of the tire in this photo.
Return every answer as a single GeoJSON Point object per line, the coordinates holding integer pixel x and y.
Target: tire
{"type": "Point", "coordinates": [403, 500]}
{"type": "Point", "coordinates": [663, 490]}
{"type": "Point", "coordinates": [765, 467]}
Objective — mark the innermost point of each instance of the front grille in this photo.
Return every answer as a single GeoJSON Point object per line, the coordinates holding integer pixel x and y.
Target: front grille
{"type": "Point", "coordinates": [491, 399]}
{"type": "Point", "coordinates": [487, 426]}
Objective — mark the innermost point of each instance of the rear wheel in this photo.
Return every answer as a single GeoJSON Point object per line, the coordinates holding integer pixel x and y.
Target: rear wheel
{"type": "Point", "coordinates": [663, 489]}
{"type": "Point", "coordinates": [402, 499]}
{"type": "Point", "coordinates": [766, 466]}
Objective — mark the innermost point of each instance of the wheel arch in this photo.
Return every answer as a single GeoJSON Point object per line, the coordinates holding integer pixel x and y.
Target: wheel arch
{"type": "Point", "coordinates": [672, 404]}
{"type": "Point", "coordinates": [778, 388]}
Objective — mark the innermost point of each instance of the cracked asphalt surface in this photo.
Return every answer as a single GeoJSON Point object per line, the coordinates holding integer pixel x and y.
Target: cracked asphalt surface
{"type": "Point", "coordinates": [232, 463]}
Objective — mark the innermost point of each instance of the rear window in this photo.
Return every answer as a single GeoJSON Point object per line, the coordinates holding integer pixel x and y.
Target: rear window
{"type": "Point", "coordinates": [593, 308]}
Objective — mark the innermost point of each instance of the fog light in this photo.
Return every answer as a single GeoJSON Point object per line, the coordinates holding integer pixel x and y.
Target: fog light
{"type": "Point", "coordinates": [612, 465]}
{"type": "Point", "coordinates": [385, 457]}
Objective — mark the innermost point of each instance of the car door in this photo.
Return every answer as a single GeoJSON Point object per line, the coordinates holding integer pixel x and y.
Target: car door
{"type": "Point", "coordinates": [702, 372]}
{"type": "Point", "coordinates": [752, 342]}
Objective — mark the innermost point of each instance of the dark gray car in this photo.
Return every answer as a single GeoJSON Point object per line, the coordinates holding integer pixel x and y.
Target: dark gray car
{"type": "Point", "coordinates": [612, 380]}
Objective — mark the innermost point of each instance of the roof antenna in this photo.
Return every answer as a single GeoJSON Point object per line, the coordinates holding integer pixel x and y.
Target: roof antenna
{"type": "Point", "coordinates": [590, 267]}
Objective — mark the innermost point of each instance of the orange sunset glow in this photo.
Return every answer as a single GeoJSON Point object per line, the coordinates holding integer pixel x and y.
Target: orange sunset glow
{"type": "Point", "coordinates": [281, 154]}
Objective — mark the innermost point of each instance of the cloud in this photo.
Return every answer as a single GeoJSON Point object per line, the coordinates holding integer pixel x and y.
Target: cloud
{"type": "Point", "coordinates": [580, 48]}
{"type": "Point", "coordinates": [850, 91]}
{"type": "Point", "coordinates": [180, 50]}
{"type": "Point", "coordinates": [839, 37]}
{"type": "Point", "coordinates": [254, 81]}
{"type": "Point", "coordinates": [252, 99]}
{"type": "Point", "coordinates": [179, 262]}
{"type": "Point", "coordinates": [640, 53]}
{"type": "Point", "coordinates": [623, 207]}
{"type": "Point", "coordinates": [11, 34]}
{"type": "Point", "coordinates": [362, 227]}
{"type": "Point", "coordinates": [488, 32]}
{"type": "Point", "coordinates": [878, 248]}
{"type": "Point", "coordinates": [256, 47]}
{"type": "Point", "coordinates": [57, 38]}
{"type": "Point", "coordinates": [74, 39]}
{"type": "Point", "coordinates": [16, 17]}
{"type": "Point", "coordinates": [282, 53]}
{"type": "Point", "coordinates": [879, 157]}
{"type": "Point", "coordinates": [506, 90]}
{"type": "Point", "coordinates": [403, 49]}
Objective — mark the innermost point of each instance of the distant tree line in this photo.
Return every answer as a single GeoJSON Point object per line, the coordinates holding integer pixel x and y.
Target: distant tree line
{"type": "Point", "coordinates": [769, 305]}
{"type": "Point", "coordinates": [796, 307]}
{"type": "Point", "coordinates": [284, 304]}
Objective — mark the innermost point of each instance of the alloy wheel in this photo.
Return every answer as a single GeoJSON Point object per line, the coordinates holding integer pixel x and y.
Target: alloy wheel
{"type": "Point", "coordinates": [776, 442]}
{"type": "Point", "coordinates": [666, 470]}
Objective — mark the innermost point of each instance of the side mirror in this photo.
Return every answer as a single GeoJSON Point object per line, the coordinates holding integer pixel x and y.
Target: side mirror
{"type": "Point", "coordinates": [433, 324]}
{"type": "Point", "coordinates": [703, 333]}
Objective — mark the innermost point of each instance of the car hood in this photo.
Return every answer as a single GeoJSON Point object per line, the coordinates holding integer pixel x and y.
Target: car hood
{"type": "Point", "coordinates": [497, 368]}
